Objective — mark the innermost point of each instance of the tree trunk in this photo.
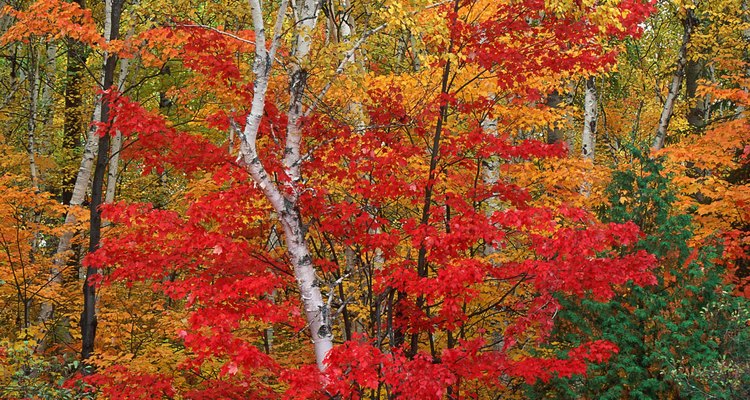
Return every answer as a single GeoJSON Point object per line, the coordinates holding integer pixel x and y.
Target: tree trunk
{"type": "Point", "coordinates": [746, 53]}
{"type": "Point", "coordinates": [316, 310]}
{"type": "Point", "coordinates": [554, 134]}
{"type": "Point", "coordinates": [74, 183]}
{"type": "Point", "coordinates": [674, 88]}
{"type": "Point", "coordinates": [73, 127]}
{"type": "Point", "coordinates": [697, 111]}
{"type": "Point", "coordinates": [47, 91]}
{"type": "Point", "coordinates": [113, 10]}
{"type": "Point", "coordinates": [34, 80]}
{"type": "Point", "coordinates": [588, 138]}
{"type": "Point", "coordinates": [590, 107]}
{"type": "Point", "coordinates": [114, 160]}
{"type": "Point", "coordinates": [422, 263]}
{"type": "Point", "coordinates": [77, 196]}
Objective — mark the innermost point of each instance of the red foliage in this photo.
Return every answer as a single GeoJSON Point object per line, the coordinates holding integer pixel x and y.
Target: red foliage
{"type": "Point", "coordinates": [367, 191]}
{"type": "Point", "coordinates": [155, 142]}
{"type": "Point", "coordinates": [118, 383]}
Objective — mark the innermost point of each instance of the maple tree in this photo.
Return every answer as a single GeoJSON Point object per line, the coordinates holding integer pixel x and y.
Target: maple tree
{"type": "Point", "coordinates": [443, 247]}
{"type": "Point", "coordinates": [661, 330]}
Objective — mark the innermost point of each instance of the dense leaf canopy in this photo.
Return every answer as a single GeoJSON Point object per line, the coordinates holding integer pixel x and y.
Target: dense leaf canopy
{"type": "Point", "coordinates": [400, 199]}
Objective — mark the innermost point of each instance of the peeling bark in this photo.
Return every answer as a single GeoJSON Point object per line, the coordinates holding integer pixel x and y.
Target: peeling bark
{"type": "Point", "coordinates": [688, 24]}
{"type": "Point", "coordinates": [317, 310]}
{"type": "Point", "coordinates": [588, 138]}
{"type": "Point", "coordinates": [590, 106]}
{"type": "Point", "coordinates": [114, 159]}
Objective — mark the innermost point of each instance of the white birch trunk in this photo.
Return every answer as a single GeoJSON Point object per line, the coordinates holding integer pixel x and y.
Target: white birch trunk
{"type": "Point", "coordinates": [114, 163]}
{"type": "Point", "coordinates": [49, 85]}
{"type": "Point", "coordinates": [79, 193]}
{"type": "Point", "coordinates": [588, 138]}
{"type": "Point", "coordinates": [114, 159]}
{"type": "Point", "coordinates": [490, 166]}
{"type": "Point", "coordinates": [307, 16]}
{"type": "Point", "coordinates": [83, 178]}
{"type": "Point", "coordinates": [674, 87]}
{"type": "Point", "coordinates": [34, 81]}
{"type": "Point", "coordinates": [316, 310]}
{"type": "Point", "coordinates": [590, 106]}
{"type": "Point", "coordinates": [490, 176]}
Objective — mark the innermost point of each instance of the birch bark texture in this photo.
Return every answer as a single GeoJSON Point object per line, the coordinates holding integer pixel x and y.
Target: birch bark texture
{"type": "Point", "coordinates": [34, 83]}
{"type": "Point", "coordinates": [688, 24]}
{"type": "Point", "coordinates": [74, 185]}
{"type": "Point", "coordinates": [590, 108]}
{"type": "Point", "coordinates": [285, 202]}
{"type": "Point", "coordinates": [588, 136]}
{"type": "Point", "coordinates": [114, 158]}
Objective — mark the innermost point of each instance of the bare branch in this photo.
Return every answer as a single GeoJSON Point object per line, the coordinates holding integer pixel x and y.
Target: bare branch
{"type": "Point", "coordinates": [219, 31]}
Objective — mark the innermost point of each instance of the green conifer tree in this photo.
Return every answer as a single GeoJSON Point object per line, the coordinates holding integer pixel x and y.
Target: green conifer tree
{"type": "Point", "coordinates": [685, 337]}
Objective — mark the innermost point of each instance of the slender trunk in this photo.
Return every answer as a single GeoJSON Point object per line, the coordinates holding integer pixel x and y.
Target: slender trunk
{"type": "Point", "coordinates": [697, 111]}
{"type": "Point", "coordinates": [113, 10]}
{"type": "Point", "coordinates": [427, 204]}
{"type": "Point", "coordinates": [590, 106]}
{"type": "Point", "coordinates": [74, 183]}
{"type": "Point", "coordinates": [554, 134]}
{"type": "Point", "coordinates": [489, 169]}
{"type": "Point", "coordinates": [745, 54]}
{"type": "Point", "coordinates": [77, 196]}
{"type": "Point", "coordinates": [40, 96]}
{"type": "Point", "coordinates": [588, 138]}
{"type": "Point", "coordinates": [5, 19]}
{"type": "Point", "coordinates": [47, 90]}
{"type": "Point", "coordinates": [114, 160]}
{"type": "Point", "coordinates": [73, 126]}
{"type": "Point", "coordinates": [33, 109]}
{"type": "Point", "coordinates": [674, 88]}
{"type": "Point", "coordinates": [422, 267]}
{"type": "Point", "coordinates": [338, 22]}
{"type": "Point", "coordinates": [316, 310]}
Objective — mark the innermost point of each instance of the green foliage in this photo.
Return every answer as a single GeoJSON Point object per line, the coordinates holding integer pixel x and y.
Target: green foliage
{"type": "Point", "coordinates": [685, 337]}
{"type": "Point", "coordinates": [24, 374]}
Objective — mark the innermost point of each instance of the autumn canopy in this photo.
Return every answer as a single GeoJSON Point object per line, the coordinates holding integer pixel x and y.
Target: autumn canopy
{"type": "Point", "coordinates": [393, 200]}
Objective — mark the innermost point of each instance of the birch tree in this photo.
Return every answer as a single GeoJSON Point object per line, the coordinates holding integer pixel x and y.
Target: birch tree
{"type": "Point", "coordinates": [284, 202]}
{"type": "Point", "coordinates": [588, 138]}
{"type": "Point", "coordinates": [590, 106]}
{"type": "Point", "coordinates": [688, 24]}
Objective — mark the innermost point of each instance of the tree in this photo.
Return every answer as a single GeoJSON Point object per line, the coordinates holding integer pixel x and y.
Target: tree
{"type": "Point", "coordinates": [366, 206]}
{"type": "Point", "coordinates": [688, 22]}
{"type": "Point", "coordinates": [684, 337]}
{"type": "Point", "coordinates": [401, 186]}
{"type": "Point", "coordinates": [713, 179]}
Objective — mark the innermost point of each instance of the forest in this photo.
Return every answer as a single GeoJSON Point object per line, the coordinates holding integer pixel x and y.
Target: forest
{"type": "Point", "coordinates": [389, 199]}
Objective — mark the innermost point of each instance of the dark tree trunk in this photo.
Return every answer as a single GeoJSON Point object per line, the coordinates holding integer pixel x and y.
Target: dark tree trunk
{"type": "Point", "coordinates": [73, 128]}
{"type": "Point", "coordinates": [88, 316]}
{"type": "Point", "coordinates": [554, 135]}
{"type": "Point", "coordinates": [696, 113]}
